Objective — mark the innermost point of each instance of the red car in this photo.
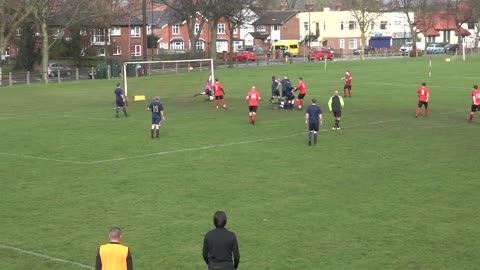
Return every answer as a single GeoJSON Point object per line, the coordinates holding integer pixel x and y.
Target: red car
{"type": "Point", "coordinates": [245, 56]}
{"type": "Point", "coordinates": [321, 55]}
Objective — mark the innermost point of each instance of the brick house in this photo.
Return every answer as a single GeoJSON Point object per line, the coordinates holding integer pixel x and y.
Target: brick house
{"type": "Point", "coordinates": [276, 25]}
{"type": "Point", "coordinates": [123, 39]}
{"type": "Point", "coordinates": [173, 33]}
{"type": "Point", "coordinates": [440, 27]}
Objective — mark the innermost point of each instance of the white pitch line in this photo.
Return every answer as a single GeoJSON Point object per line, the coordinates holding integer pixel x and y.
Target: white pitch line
{"type": "Point", "coordinates": [28, 252]}
{"type": "Point", "coordinates": [43, 158]}
{"type": "Point", "coordinates": [193, 149]}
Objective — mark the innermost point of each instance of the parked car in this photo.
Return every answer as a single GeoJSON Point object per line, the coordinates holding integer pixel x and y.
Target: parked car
{"type": "Point", "coordinates": [321, 54]}
{"type": "Point", "coordinates": [451, 48]}
{"type": "Point", "coordinates": [408, 46]}
{"type": "Point", "coordinates": [435, 48]}
{"type": "Point", "coordinates": [245, 56]}
{"type": "Point", "coordinates": [366, 50]}
{"type": "Point", "coordinates": [256, 49]}
{"type": "Point", "coordinates": [54, 68]}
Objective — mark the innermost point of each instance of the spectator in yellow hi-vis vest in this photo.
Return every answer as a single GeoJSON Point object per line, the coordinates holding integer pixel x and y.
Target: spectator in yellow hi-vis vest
{"type": "Point", "coordinates": [114, 255]}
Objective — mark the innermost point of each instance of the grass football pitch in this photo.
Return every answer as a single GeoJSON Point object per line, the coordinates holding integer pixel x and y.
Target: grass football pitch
{"type": "Point", "coordinates": [388, 191]}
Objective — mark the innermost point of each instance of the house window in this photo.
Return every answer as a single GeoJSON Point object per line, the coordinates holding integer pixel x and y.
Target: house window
{"type": "Point", "coordinates": [342, 44]}
{"type": "Point", "coordinates": [372, 25]}
{"type": "Point", "coordinates": [235, 30]}
{"type": "Point", "coordinates": [324, 26]}
{"type": "Point", "coordinates": [83, 32]}
{"type": "Point", "coordinates": [135, 31]}
{"type": "Point", "coordinates": [305, 27]}
{"type": "Point", "coordinates": [341, 25]}
{"type": "Point", "coordinates": [222, 46]}
{"type": "Point", "coordinates": [446, 36]}
{"type": "Point", "coordinates": [101, 52]}
{"type": "Point", "coordinates": [352, 44]}
{"type": "Point", "coordinates": [176, 29]}
{"type": "Point", "coordinates": [200, 46]}
{"type": "Point", "coordinates": [352, 25]}
{"type": "Point", "coordinates": [149, 30]}
{"type": "Point", "coordinates": [136, 50]}
{"type": "Point", "coordinates": [237, 44]}
{"type": "Point", "coordinates": [99, 36]}
{"type": "Point", "coordinates": [221, 28]}
{"type": "Point", "coordinates": [397, 23]}
{"type": "Point", "coordinates": [59, 32]}
{"type": "Point", "coordinates": [18, 32]}
{"type": "Point", "coordinates": [163, 45]}
{"type": "Point", "coordinates": [261, 28]}
{"type": "Point", "coordinates": [118, 50]}
{"type": "Point", "coordinates": [431, 39]}
{"type": "Point", "coordinates": [197, 28]}
{"type": "Point", "coordinates": [180, 45]}
{"type": "Point", "coordinates": [276, 27]}
{"type": "Point", "coordinates": [7, 52]}
{"type": "Point", "coordinates": [383, 25]}
{"type": "Point", "coordinates": [471, 26]}
{"type": "Point", "coordinates": [116, 31]}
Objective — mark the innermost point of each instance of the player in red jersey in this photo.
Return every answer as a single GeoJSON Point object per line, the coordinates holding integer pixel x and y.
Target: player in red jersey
{"type": "Point", "coordinates": [253, 97]}
{"type": "Point", "coordinates": [218, 92]}
{"type": "Point", "coordinates": [302, 92]}
{"type": "Point", "coordinates": [475, 101]}
{"type": "Point", "coordinates": [423, 94]}
{"type": "Point", "coordinates": [348, 84]}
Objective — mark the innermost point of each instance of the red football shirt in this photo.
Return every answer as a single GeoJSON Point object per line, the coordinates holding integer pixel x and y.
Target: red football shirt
{"type": "Point", "coordinates": [422, 94]}
{"type": "Point", "coordinates": [217, 87]}
{"type": "Point", "coordinates": [301, 88]}
{"type": "Point", "coordinates": [476, 97]}
{"type": "Point", "coordinates": [253, 97]}
{"type": "Point", "coordinates": [348, 79]}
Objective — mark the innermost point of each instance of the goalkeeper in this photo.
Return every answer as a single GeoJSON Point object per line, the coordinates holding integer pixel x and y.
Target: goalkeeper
{"type": "Point", "coordinates": [208, 90]}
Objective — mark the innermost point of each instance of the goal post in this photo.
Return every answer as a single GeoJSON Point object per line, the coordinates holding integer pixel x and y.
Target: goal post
{"type": "Point", "coordinates": [173, 66]}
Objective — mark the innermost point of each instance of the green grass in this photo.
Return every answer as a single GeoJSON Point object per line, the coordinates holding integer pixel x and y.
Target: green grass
{"type": "Point", "coordinates": [389, 191]}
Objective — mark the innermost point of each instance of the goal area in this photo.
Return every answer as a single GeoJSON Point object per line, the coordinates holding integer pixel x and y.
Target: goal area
{"type": "Point", "coordinates": [136, 68]}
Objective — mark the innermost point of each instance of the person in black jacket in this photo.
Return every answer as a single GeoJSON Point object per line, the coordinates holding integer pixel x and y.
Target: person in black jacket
{"type": "Point", "coordinates": [220, 245]}
{"type": "Point", "coordinates": [335, 105]}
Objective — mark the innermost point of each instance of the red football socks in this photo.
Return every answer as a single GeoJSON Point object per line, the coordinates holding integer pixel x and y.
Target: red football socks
{"type": "Point", "coordinates": [426, 111]}
{"type": "Point", "coordinates": [417, 111]}
{"type": "Point", "coordinates": [471, 116]}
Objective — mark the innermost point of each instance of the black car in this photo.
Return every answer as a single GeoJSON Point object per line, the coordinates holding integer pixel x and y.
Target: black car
{"type": "Point", "coordinates": [366, 50]}
{"type": "Point", "coordinates": [451, 48]}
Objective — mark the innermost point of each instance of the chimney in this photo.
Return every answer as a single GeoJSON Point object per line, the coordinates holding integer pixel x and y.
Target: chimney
{"type": "Point", "coordinates": [283, 6]}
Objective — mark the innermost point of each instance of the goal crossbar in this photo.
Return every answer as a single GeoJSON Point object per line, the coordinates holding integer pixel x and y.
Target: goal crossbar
{"type": "Point", "coordinates": [160, 62]}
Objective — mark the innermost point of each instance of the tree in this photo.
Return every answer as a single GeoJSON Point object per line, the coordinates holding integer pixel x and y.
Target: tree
{"type": "Point", "coordinates": [66, 12]}
{"type": "Point", "coordinates": [190, 11]}
{"type": "Point", "coordinates": [365, 12]}
{"type": "Point", "coordinates": [463, 11]}
{"type": "Point", "coordinates": [28, 51]}
{"type": "Point", "coordinates": [237, 13]}
{"type": "Point", "coordinates": [12, 14]}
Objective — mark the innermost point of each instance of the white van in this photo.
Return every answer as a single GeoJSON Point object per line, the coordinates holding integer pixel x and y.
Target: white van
{"type": "Point", "coordinates": [405, 49]}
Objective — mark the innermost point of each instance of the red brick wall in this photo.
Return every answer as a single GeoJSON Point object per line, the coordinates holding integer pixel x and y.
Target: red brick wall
{"type": "Point", "coordinates": [290, 30]}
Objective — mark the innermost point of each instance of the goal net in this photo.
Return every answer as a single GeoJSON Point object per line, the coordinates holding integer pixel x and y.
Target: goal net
{"type": "Point", "coordinates": [137, 68]}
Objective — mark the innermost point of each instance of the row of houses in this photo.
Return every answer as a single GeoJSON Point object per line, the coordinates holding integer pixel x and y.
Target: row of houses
{"type": "Point", "coordinates": [336, 29]}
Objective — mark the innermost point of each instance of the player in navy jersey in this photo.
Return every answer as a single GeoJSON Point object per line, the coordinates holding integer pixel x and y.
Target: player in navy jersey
{"type": "Point", "coordinates": [275, 89]}
{"type": "Point", "coordinates": [313, 118]}
{"type": "Point", "coordinates": [157, 116]}
{"type": "Point", "coordinates": [119, 100]}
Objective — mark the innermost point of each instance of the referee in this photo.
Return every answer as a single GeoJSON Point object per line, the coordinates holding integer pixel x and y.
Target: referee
{"type": "Point", "coordinates": [335, 105]}
{"type": "Point", "coordinates": [113, 255]}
